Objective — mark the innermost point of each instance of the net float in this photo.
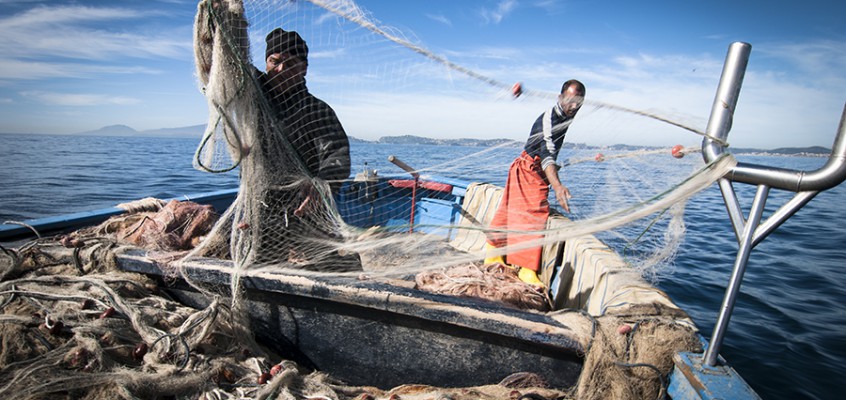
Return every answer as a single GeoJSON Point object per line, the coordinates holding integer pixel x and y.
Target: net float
{"type": "Point", "coordinates": [107, 313]}
{"type": "Point", "coordinates": [140, 351]}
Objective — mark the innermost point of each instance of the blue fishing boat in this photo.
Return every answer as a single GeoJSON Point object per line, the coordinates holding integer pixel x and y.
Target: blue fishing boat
{"type": "Point", "coordinates": [384, 331]}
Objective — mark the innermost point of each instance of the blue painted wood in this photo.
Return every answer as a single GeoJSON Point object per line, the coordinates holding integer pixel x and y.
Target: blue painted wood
{"type": "Point", "coordinates": [58, 223]}
{"type": "Point", "coordinates": [50, 225]}
{"type": "Point", "coordinates": [390, 207]}
{"type": "Point", "coordinates": [692, 380]}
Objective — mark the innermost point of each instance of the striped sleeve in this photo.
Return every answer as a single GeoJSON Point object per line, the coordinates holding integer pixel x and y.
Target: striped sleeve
{"type": "Point", "coordinates": [549, 151]}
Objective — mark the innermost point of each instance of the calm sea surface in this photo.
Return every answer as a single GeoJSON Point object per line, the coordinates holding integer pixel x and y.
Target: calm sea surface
{"type": "Point", "coordinates": [787, 335]}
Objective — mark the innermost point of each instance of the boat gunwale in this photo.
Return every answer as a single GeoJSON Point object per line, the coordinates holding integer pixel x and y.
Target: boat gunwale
{"type": "Point", "coordinates": [378, 294]}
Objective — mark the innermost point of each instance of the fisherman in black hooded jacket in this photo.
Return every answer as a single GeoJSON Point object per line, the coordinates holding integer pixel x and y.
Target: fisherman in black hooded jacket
{"type": "Point", "coordinates": [305, 233]}
{"type": "Point", "coordinates": [309, 124]}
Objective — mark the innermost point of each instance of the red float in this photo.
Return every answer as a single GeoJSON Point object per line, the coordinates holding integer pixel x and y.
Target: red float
{"type": "Point", "coordinates": [108, 313]}
{"type": "Point", "coordinates": [517, 90]}
{"type": "Point", "coordinates": [140, 351]}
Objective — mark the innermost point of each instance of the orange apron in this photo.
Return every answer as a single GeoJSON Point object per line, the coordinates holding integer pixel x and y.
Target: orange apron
{"type": "Point", "coordinates": [524, 207]}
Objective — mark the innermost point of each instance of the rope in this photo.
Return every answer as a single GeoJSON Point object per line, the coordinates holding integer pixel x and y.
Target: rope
{"type": "Point", "coordinates": [24, 225]}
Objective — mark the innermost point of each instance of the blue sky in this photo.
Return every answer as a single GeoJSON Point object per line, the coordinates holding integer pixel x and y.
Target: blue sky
{"type": "Point", "coordinates": [71, 66]}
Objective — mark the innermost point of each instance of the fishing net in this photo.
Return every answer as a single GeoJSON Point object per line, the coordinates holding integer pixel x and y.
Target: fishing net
{"type": "Point", "coordinates": [377, 80]}
{"type": "Point", "coordinates": [75, 326]}
{"type": "Point", "coordinates": [283, 140]}
{"type": "Point", "coordinates": [315, 200]}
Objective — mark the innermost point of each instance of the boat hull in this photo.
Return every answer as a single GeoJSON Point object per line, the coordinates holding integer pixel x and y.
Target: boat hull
{"type": "Point", "coordinates": [382, 332]}
{"type": "Point", "coordinates": [375, 333]}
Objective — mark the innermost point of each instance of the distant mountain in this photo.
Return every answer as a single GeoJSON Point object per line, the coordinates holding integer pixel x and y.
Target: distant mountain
{"type": "Point", "coordinates": [419, 140]}
{"type": "Point", "coordinates": [111, 130]}
{"type": "Point", "coordinates": [357, 140]}
{"type": "Point", "coordinates": [792, 151]}
{"type": "Point", "coordinates": [195, 131]}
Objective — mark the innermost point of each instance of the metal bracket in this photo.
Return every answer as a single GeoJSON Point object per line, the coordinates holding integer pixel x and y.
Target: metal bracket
{"type": "Point", "coordinates": [751, 231]}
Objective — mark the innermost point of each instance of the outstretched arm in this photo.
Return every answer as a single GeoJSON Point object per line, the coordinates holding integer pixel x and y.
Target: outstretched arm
{"type": "Point", "coordinates": [562, 194]}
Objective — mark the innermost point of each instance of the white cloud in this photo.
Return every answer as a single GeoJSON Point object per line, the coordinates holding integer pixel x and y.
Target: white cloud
{"type": "Point", "coordinates": [497, 14]}
{"type": "Point", "coordinates": [63, 15]}
{"type": "Point", "coordinates": [824, 60]}
{"type": "Point", "coordinates": [434, 115]}
{"type": "Point", "coordinates": [80, 32]}
{"type": "Point", "coordinates": [79, 99]}
{"type": "Point", "coordinates": [34, 70]}
{"type": "Point", "coordinates": [777, 108]}
{"type": "Point", "coordinates": [551, 6]}
{"type": "Point", "coordinates": [487, 52]}
{"type": "Point", "coordinates": [440, 18]}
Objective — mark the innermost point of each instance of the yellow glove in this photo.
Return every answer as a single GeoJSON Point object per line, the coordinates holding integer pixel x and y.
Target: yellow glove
{"type": "Point", "coordinates": [529, 276]}
{"type": "Point", "coordinates": [492, 259]}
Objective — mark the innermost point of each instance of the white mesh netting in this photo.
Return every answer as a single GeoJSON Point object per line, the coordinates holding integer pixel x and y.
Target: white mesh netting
{"type": "Point", "coordinates": [293, 152]}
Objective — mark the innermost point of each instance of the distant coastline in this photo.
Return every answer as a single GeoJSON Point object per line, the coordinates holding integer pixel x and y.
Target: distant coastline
{"type": "Point", "coordinates": [196, 131]}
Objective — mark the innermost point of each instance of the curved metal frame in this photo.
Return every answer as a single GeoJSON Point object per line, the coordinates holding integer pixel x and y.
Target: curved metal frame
{"type": "Point", "coordinates": [751, 231]}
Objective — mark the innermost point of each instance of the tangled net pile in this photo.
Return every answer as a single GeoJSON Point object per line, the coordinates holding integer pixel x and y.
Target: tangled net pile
{"type": "Point", "coordinates": [75, 326]}
{"type": "Point", "coordinates": [496, 282]}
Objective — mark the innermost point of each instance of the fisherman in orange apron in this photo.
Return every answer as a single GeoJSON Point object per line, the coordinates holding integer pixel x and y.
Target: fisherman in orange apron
{"type": "Point", "coordinates": [525, 205]}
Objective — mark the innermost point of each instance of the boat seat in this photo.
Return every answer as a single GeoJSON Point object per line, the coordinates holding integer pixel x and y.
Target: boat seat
{"type": "Point", "coordinates": [596, 279]}
{"type": "Point", "coordinates": [477, 211]}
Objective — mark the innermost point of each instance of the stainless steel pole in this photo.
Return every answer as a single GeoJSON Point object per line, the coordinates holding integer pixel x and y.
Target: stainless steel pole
{"type": "Point", "coordinates": [737, 275]}
{"type": "Point", "coordinates": [713, 145]}
{"type": "Point", "coordinates": [750, 232]}
{"type": "Point", "coordinates": [725, 102]}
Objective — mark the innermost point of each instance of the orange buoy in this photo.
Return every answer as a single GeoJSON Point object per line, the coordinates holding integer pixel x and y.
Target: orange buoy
{"type": "Point", "coordinates": [599, 157]}
{"type": "Point", "coordinates": [677, 151]}
{"type": "Point", "coordinates": [624, 329]}
{"type": "Point", "coordinates": [517, 89]}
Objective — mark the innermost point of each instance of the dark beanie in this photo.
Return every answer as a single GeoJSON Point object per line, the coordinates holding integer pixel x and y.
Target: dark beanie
{"type": "Point", "coordinates": [280, 41]}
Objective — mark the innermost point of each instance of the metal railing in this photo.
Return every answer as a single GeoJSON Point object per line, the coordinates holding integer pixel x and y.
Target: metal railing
{"type": "Point", "coordinates": [751, 231]}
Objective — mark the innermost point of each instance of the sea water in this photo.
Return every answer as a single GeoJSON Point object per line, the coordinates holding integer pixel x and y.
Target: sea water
{"type": "Point", "coordinates": [787, 335]}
